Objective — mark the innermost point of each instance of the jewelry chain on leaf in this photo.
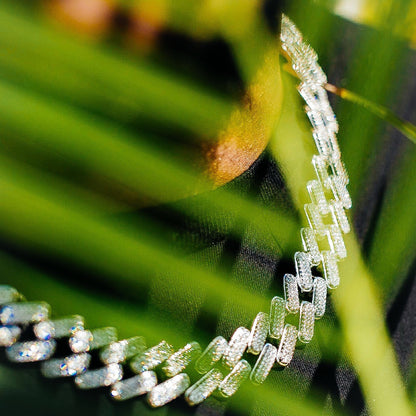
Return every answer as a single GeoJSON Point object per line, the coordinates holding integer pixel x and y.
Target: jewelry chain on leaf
{"type": "Point", "coordinates": [221, 364]}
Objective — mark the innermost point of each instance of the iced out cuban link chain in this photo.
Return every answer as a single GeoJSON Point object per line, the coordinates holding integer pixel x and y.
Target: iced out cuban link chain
{"type": "Point", "coordinates": [163, 374]}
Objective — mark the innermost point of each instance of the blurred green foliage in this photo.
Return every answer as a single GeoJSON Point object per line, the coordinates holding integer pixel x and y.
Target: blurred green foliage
{"type": "Point", "coordinates": [90, 132]}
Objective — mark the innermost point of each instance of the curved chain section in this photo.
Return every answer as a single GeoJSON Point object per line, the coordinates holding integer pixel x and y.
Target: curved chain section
{"type": "Point", "coordinates": [29, 335]}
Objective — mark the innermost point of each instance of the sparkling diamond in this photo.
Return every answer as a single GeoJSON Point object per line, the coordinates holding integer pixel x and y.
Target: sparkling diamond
{"type": "Point", "coordinates": [339, 216]}
{"type": "Point", "coordinates": [316, 99]}
{"type": "Point", "coordinates": [9, 335]}
{"type": "Point", "coordinates": [289, 32]}
{"type": "Point", "coordinates": [304, 63]}
{"type": "Point", "coordinates": [178, 361]}
{"type": "Point", "coordinates": [277, 317]}
{"type": "Point", "coordinates": [169, 390]}
{"type": "Point", "coordinates": [44, 330]}
{"type": "Point", "coordinates": [258, 334]}
{"type": "Point", "coordinates": [134, 386]}
{"type": "Point", "coordinates": [290, 286]}
{"type": "Point", "coordinates": [75, 364]}
{"type": "Point", "coordinates": [319, 296]}
{"type": "Point", "coordinates": [315, 219]}
{"type": "Point", "coordinates": [204, 387]}
{"type": "Point", "coordinates": [24, 313]}
{"type": "Point", "coordinates": [236, 347]}
{"type": "Point", "coordinates": [321, 168]}
{"type": "Point", "coordinates": [234, 379]}
{"type": "Point", "coordinates": [317, 196]}
{"type": "Point", "coordinates": [321, 142]}
{"type": "Point", "coordinates": [303, 271]}
{"type": "Point", "coordinates": [331, 272]}
{"type": "Point", "coordinates": [31, 351]}
{"type": "Point", "coordinates": [118, 352]}
{"type": "Point", "coordinates": [338, 169]}
{"type": "Point", "coordinates": [212, 354]}
{"type": "Point", "coordinates": [105, 376]}
{"type": "Point", "coordinates": [67, 367]}
{"type": "Point", "coordinates": [80, 341]}
{"type": "Point", "coordinates": [317, 119]}
{"type": "Point", "coordinates": [264, 364]}
{"type": "Point", "coordinates": [114, 353]}
{"type": "Point", "coordinates": [306, 322]}
{"type": "Point", "coordinates": [337, 242]}
{"type": "Point", "coordinates": [334, 150]}
{"type": "Point", "coordinates": [326, 142]}
{"type": "Point", "coordinates": [287, 345]}
{"type": "Point", "coordinates": [310, 245]}
{"type": "Point", "coordinates": [152, 357]}
{"type": "Point", "coordinates": [340, 191]}
{"type": "Point", "coordinates": [58, 328]}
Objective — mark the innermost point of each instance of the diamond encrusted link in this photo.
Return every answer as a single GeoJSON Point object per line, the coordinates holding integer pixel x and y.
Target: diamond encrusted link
{"type": "Point", "coordinates": [84, 340]}
{"type": "Point", "coordinates": [315, 219]}
{"type": "Point", "coordinates": [317, 196]}
{"type": "Point", "coordinates": [303, 271]}
{"type": "Point", "coordinates": [335, 152]}
{"type": "Point", "coordinates": [234, 379]}
{"type": "Point", "coordinates": [212, 354]}
{"type": "Point", "coordinates": [9, 335]}
{"type": "Point", "coordinates": [287, 345]}
{"type": "Point", "coordinates": [310, 245]}
{"type": "Point", "coordinates": [24, 313]}
{"type": "Point", "coordinates": [135, 386]}
{"type": "Point", "coordinates": [337, 242]}
{"type": "Point", "coordinates": [105, 376]}
{"type": "Point", "coordinates": [178, 361]}
{"type": "Point", "coordinates": [333, 123]}
{"type": "Point", "coordinates": [339, 216]}
{"type": "Point", "coordinates": [80, 340]}
{"type": "Point", "coordinates": [168, 390]}
{"type": "Point", "coordinates": [316, 98]}
{"type": "Point", "coordinates": [320, 136]}
{"type": "Point", "coordinates": [319, 296]}
{"type": "Point", "coordinates": [277, 317]}
{"type": "Point", "coordinates": [9, 294]}
{"type": "Point", "coordinates": [324, 121]}
{"type": "Point", "coordinates": [339, 170]}
{"type": "Point", "coordinates": [321, 168]}
{"type": "Point", "coordinates": [258, 334]}
{"type": "Point", "coordinates": [289, 32]}
{"type": "Point", "coordinates": [120, 351]}
{"type": "Point", "coordinates": [152, 357]}
{"type": "Point", "coordinates": [204, 387]}
{"type": "Point", "coordinates": [340, 191]}
{"type": "Point", "coordinates": [304, 58]}
{"type": "Point", "coordinates": [236, 347]}
{"type": "Point", "coordinates": [31, 351]}
{"type": "Point", "coordinates": [66, 367]}
{"type": "Point", "coordinates": [308, 70]}
{"type": "Point", "coordinates": [306, 322]}
{"type": "Point", "coordinates": [331, 272]}
{"type": "Point", "coordinates": [290, 286]}
{"type": "Point", "coordinates": [325, 138]}
{"type": "Point", "coordinates": [264, 364]}
{"type": "Point", "coordinates": [58, 328]}
{"type": "Point", "coordinates": [316, 118]}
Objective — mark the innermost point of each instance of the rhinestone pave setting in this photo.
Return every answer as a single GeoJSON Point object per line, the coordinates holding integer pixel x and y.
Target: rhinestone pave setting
{"type": "Point", "coordinates": [222, 364]}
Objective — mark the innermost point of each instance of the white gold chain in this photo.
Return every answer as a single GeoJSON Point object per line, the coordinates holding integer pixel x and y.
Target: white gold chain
{"type": "Point", "coordinates": [221, 364]}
